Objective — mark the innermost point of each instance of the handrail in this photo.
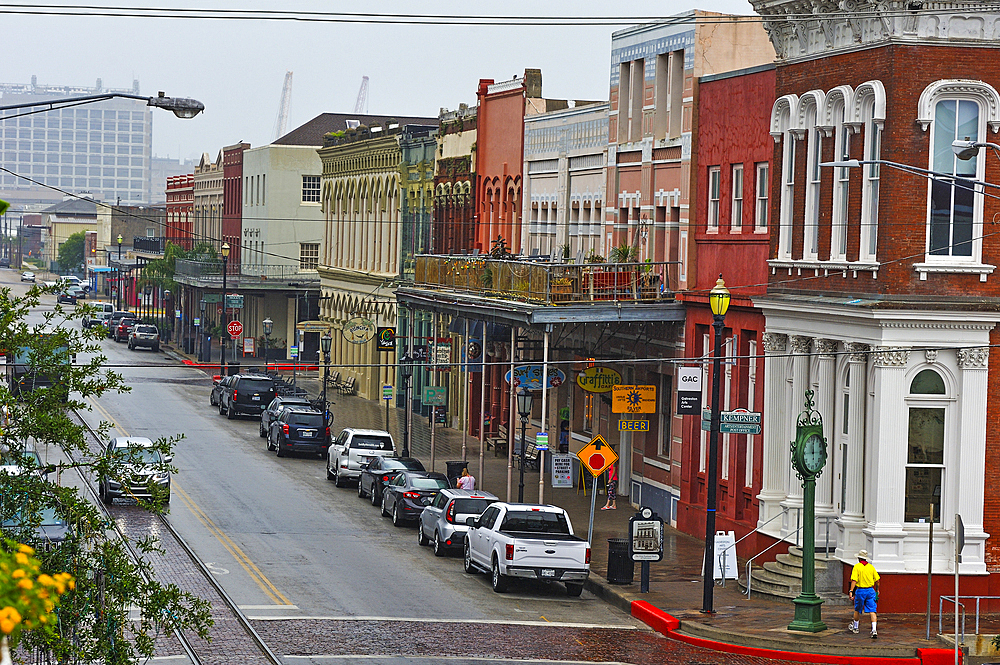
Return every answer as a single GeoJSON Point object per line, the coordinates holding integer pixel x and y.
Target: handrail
{"type": "Point", "coordinates": [722, 555]}
{"type": "Point", "coordinates": [750, 560]}
{"type": "Point", "coordinates": [952, 599]}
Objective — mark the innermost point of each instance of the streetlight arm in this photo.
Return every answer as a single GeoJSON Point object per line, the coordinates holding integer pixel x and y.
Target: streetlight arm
{"type": "Point", "coordinates": [959, 181]}
{"type": "Point", "coordinates": [180, 106]}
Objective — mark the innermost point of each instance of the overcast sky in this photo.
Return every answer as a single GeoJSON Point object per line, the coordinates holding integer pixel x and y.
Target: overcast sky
{"type": "Point", "coordinates": [237, 68]}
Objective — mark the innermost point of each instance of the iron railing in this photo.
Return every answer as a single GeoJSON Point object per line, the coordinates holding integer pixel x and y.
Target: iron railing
{"type": "Point", "coordinates": [150, 245]}
{"type": "Point", "coordinates": [211, 271]}
{"type": "Point", "coordinates": [542, 281]}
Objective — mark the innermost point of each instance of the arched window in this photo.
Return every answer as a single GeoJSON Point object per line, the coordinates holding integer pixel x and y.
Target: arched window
{"type": "Point", "coordinates": [925, 470]}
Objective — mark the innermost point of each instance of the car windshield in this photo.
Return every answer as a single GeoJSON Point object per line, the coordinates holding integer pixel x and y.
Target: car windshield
{"type": "Point", "coordinates": [47, 517]}
{"type": "Point", "coordinates": [142, 455]}
{"type": "Point", "coordinates": [306, 419]}
{"type": "Point", "coordinates": [429, 483]}
{"type": "Point", "coordinates": [471, 506]}
{"type": "Point", "coordinates": [535, 522]}
{"type": "Point", "coordinates": [146, 329]}
{"type": "Point", "coordinates": [7, 457]}
{"type": "Point", "coordinates": [372, 442]}
{"type": "Point", "coordinates": [407, 464]}
{"type": "Point", "coordinates": [256, 384]}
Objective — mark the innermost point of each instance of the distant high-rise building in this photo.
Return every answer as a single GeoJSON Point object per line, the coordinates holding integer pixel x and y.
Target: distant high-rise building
{"type": "Point", "coordinates": [104, 148]}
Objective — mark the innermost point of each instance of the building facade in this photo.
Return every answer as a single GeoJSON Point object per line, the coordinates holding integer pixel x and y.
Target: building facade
{"type": "Point", "coordinates": [180, 210]}
{"type": "Point", "coordinates": [454, 182]}
{"type": "Point", "coordinates": [208, 201]}
{"type": "Point", "coordinates": [232, 199]}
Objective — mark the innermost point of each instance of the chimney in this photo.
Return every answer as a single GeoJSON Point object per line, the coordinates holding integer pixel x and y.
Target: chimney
{"type": "Point", "coordinates": [533, 83]}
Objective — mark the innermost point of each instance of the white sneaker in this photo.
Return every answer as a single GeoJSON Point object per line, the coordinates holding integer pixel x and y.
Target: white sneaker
{"type": "Point", "coordinates": [874, 635]}
{"type": "Point", "coordinates": [851, 627]}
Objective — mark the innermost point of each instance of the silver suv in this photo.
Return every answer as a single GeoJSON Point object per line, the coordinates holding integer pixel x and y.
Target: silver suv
{"type": "Point", "coordinates": [442, 523]}
{"type": "Point", "coordinates": [353, 449]}
{"type": "Point", "coordinates": [143, 472]}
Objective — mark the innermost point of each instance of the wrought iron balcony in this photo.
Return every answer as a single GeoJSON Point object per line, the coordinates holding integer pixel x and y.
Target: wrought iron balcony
{"type": "Point", "coordinates": [210, 272]}
{"type": "Point", "coordinates": [149, 245]}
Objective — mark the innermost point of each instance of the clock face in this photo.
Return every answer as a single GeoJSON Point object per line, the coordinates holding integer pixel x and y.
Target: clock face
{"type": "Point", "coordinates": [813, 453]}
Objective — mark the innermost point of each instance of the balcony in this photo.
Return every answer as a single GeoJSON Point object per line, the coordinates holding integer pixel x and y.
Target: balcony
{"type": "Point", "coordinates": [543, 283]}
{"type": "Point", "coordinates": [148, 245]}
{"type": "Point", "coordinates": [209, 274]}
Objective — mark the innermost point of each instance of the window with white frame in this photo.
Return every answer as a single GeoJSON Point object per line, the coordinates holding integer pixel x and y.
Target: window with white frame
{"type": "Point", "coordinates": [810, 247]}
{"type": "Point", "coordinates": [751, 404]}
{"type": "Point", "coordinates": [736, 218]}
{"type": "Point", "coordinates": [308, 255]}
{"type": "Point", "coordinates": [762, 185]}
{"type": "Point", "coordinates": [925, 469]}
{"type": "Point", "coordinates": [787, 196]}
{"type": "Point", "coordinates": [310, 189]}
{"type": "Point", "coordinates": [727, 392]}
{"type": "Point", "coordinates": [841, 178]}
{"type": "Point", "coordinates": [870, 193]}
{"type": "Point", "coordinates": [714, 176]}
{"type": "Point", "coordinates": [955, 207]}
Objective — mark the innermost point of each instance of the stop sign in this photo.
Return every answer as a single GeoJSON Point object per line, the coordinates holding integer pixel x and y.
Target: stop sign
{"type": "Point", "coordinates": [235, 329]}
{"type": "Point", "coordinates": [596, 461]}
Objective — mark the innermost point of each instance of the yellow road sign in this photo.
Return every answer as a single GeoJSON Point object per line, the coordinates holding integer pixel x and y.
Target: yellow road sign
{"type": "Point", "coordinates": [633, 399]}
{"type": "Point", "coordinates": [597, 455]}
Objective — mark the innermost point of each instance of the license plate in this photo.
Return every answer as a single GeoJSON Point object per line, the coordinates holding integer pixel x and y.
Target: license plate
{"type": "Point", "coordinates": [548, 572]}
{"type": "Point", "coordinates": [307, 433]}
{"type": "Point", "coordinates": [255, 398]}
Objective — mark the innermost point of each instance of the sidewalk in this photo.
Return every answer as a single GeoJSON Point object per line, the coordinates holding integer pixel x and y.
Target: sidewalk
{"type": "Point", "coordinates": [754, 627]}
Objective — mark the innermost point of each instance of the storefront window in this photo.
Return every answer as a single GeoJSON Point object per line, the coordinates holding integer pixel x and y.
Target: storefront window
{"type": "Point", "coordinates": [925, 451]}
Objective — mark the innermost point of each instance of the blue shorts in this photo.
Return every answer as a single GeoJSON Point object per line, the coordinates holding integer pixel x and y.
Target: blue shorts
{"type": "Point", "coordinates": [864, 600]}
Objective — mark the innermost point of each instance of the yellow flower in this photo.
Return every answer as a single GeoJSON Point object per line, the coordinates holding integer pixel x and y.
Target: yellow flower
{"type": "Point", "coordinates": [17, 574]}
{"type": "Point", "coordinates": [11, 614]}
{"type": "Point", "coordinates": [6, 626]}
{"type": "Point", "coordinates": [46, 580]}
{"type": "Point", "coordinates": [21, 558]}
{"type": "Point", "coordinates": [25, 583]}
{"type": "Point", "coordinates": [26, 549]}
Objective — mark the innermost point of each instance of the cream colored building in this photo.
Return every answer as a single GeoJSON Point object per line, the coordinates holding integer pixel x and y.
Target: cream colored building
{"type": "Point", "coordinates": [75, 215]}
{"type": "Point", "coordinates": [208, 200]}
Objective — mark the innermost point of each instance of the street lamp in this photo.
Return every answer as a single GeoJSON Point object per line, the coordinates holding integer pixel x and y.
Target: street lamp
{"type": "Point", "coordinates": [204, 325]}
{"type": "Point", "coordinates": [967, 149]}
{"type": "Point", "coordinates": [118, 289]}
{"type": "Point", "coordinates": [406, 363]}
{"type": "Point", "coordinates": [180, 106]}
{"type": "Point", "coordinates": [524, 403]}
{"type": "Point", "coordinates": [225, 312]}
{"type": "Point", "coordinates": [718, 299]}
{"type": "Point", "coordinates": [268, 327]}
{"type": "Point", "coordinates": [325, 342]}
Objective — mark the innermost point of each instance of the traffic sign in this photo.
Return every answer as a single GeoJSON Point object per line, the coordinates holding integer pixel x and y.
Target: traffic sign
{"type": "Point", "coordinates": [633, 425]}
{"type": "Point", "coordinates": [732, 428]}
{"type": "Point", "coordinates": [387, 393]}
{"type": "Point", "coordinates": [633, 399]}
{"type": "Point", "coordinates": [597, 456]}
{"type": "Point", "coordinates": [235, 329]}
{"type": "Point", "coordinates": [234, 301]}
{"type": "Point", "coordinates": [435, 396]}
{"type": "Point", "coordinates": [294, 351]}
{"type": "Point", "coordinates": [734, 416]}
{"type": "Point", "coordinates": [542, 441]}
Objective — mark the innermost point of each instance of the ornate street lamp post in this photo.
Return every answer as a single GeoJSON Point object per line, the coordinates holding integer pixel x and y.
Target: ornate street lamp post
{"type": "Point", "coordinates": [268, 327]}
{"type": "Point", "coordinates": [225, 311]}
{"type": "Point", "coordinates": [406, 363]}
{"type": "Point", "coordinates": [325, 342]}
{"type": "Point", "coordinates": [118, 290]}
{"type": "Point", "coordinates": [204, 325]}
{"type": "Point", "coordinates": [524, 403]}
{"type": "Point", "coordinates": [718, 299]}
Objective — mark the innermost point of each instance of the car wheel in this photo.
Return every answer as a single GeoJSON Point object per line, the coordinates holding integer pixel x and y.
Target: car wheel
{"type": "Point", "coordinates": [105, 496]}
{"type": "Point", "coordinates": [270, 446]}
{"type": "Point", "coordinates": [156, 348]}
{"type": "Point", "coordinates": [222, 409]}
{"type": "Point", "coordinates": [469, 567]}
{"type": "Point", "coordinates": [361, 489]}
{"type": "Point", "coordinates": [263, 432]}
{"type": "Point", "coordinates": [421, 537]}
{"type": "Point", "coordinates": [130, 347]}
{"type": "Point", "coordinates": [498, 581]}
{"type": "Point", "coordinates": [396, 519]}
{"type": "Point", "coordinates": [438, 547]}
{"type": "Point", "coordinates": [337, 481]}
{"type": "Point", "coordinates": [375, 498]}
{"type": "Point", "coordinates": [385, 513]}
{"type": "Point", "coordinates": [211, 399]}
{"type": "Point", "coordinates": [573, 590]}
{"type": "Point", "coordinates": [278, 449]}
{"type": "Point", "coordinates": [230, 411]}
{"type": "Point", "coordinates": [329, 473]}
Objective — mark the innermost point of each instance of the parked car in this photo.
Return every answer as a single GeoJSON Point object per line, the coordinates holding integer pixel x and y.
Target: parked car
{"type": "Point", "coordinates": [299, 429]}
{"type": "Point", "coordinates": [526, 540]}
{"type": "Point", "coordinates": [406, 495]}
{"type": "Point", "coordinates": [46, 531]}
{"type": "Point", "coordinates": [116, 317]}
{"type": "Point", "coordinates": [70, 280]}
{"type": "Point", "coordinates": [78, 292]}
{"type": "Point", "coordinates": [277, 405]}
{"type": "Point", "coordinates": [376, 475]}
{"type": "Point", "coordinates": [142, 473]}
{"type": "Point", "coordinates": [218, 385]}
{"type": "Point", "coordinates": [104, 312]}
{"type": "Point", "coordinates": [124, 328]}
{"type": "Point", "coordinates": [353, 449]}
{"type": "Point", "coordinates": [27, 276]}
{"type": "Point", "coordinates": [144, 335]}
{"type": "Point", "coordinates": [246, 393]}
{"type": "Point", "coordinates": [442, 523]}
{"type": "Point", "coordinates": [66, 298]}
{"type": "Point", "coordinates": [15, 463]}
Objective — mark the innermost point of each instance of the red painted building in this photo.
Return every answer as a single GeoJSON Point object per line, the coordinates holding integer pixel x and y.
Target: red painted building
{"type": "Point", "coordinates": [232, 199]}
{"type": "Point", "coordinates": [180, 210]}
{"type": "Point", "coordinates": [730, 238]}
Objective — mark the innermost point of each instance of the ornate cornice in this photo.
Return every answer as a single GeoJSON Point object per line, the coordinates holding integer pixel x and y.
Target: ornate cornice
{"type": "Point", "coordinates": [801, 344]}
{"type": "Point", "coordinates": [858, 352]}
{"type": "Point", "coordinates": [827, 347]}
{"type": "Point", "coordinates": [775, 343]}
{"type": "Point", "coordinates": [889, 356]}
{"type": "Point", "coordinates": [975, 358]}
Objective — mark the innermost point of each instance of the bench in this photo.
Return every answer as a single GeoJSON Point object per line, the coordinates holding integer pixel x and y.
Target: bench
{"type": "Point", "coordinates": [349, 387]}
{"type": "Point", "coordinates": [499, 442]}
{"type": "Point", "coordinates": [530, 455]}
{"type": "Point", "coordinates": [334, 380]}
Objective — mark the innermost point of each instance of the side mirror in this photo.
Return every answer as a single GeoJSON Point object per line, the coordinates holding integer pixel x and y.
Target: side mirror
{"type": "Point", "coordinates": [470, 521]}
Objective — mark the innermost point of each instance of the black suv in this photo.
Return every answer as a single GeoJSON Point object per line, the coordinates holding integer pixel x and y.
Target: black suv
{"type": "Point", "coordinates": [274, 409]}
{"type": "Point", "coordinates": [245, 393]}
{"type": "Point", "coordinates": [299, 429]}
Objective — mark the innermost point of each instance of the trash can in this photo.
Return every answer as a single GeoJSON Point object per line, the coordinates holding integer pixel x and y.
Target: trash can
{"type": "Point", "coordinates": [189, 345]}
{"type": "Point", "coordinates": [234, 368]}
{"type": "Point", "coordinates": [454, 471]}
{"type": "Point", "coordinates": [621, 568]}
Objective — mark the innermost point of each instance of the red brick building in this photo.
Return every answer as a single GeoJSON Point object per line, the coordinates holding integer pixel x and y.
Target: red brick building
{"type": "Point", "coordinates": [180, 210]}
{"type": "Point", "coordinates": [232, 199]}
{"type": "Point", "coordinates": [454, 183]}
{"type": "Point", "coordinates": [881, 294]}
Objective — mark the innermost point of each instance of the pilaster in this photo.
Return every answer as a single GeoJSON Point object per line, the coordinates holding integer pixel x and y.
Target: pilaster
{"type": "Point", "coordinates": [773, 488]}
{"type": "Point", "coordinates": [801, 348]}
{"type": "Point", "coordinates": [967, 482]}
{"type": "Point", "coordinates": [852, 521]}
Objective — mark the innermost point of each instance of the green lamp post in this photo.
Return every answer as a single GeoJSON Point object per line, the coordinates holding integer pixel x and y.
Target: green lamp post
{"type": "Point", "coordinates": [808, 458]}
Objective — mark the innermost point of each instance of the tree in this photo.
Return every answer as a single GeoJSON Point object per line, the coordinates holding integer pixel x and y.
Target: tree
{"type": "Point", "coordinates": [71, 251]}
{"type": "Point", "coordinates": [92, 620]}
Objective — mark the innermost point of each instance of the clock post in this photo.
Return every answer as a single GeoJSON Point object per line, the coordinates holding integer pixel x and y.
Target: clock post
{"type": "Point", "coordinates": [808, 457]}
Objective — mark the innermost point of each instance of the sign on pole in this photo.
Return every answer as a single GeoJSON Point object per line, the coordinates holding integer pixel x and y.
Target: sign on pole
{"type": "Point", "coordinates": [435, 396]}
{"type": "Point", "coordinates": [542, 441]}
{"type": "Point", "coordinates": [562, 470]}
{"type": "Point", "coordinates": [633, 399]}
{"type": "Point", "coordinates": [688, 390]}
{"type": "Point", "coordinates": [633, 425]}
{"type": "Point", "coordinates": [293, 351]}
{"type": "Point", "coordinates": [597, 456]}
{"type": "Point", "coordinates": [234, 301]}
{"type": "Point", "coordinates": [235, 329]}
{"type": "Point", "coordinates": [387, 393]}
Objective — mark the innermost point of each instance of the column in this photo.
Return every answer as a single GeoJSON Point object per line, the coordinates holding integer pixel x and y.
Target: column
{"type": "Point", "coordinates": [885, 471]}
{"type": "Point", "coordinates": [801, 348]}
{"type": "Point", "coordinates": [825, 387]}
{"type": "Point", "coordinates": [965, 481]}
{"type": "Point", "coordinates": [850, 538]}
{"type": "Point", "coordinates": [773, 486]}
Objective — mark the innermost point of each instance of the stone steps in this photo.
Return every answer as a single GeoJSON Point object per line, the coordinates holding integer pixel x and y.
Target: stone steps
{"type": "Point", "coordinates": [782, 579]}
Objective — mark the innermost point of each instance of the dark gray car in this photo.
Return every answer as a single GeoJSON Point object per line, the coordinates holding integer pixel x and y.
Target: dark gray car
{"type": "Point", "coordinates": [274, 409]}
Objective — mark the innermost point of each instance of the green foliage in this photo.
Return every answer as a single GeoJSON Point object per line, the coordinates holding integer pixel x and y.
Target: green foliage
{"type": "Point", "coordinates": [160, 272]}
{"type": "Point", "coordinates": [623, 253]}
{"type": "Point", "coordinates": [93, 622]}
{"type": "Point", "coordinates": [71, 251]}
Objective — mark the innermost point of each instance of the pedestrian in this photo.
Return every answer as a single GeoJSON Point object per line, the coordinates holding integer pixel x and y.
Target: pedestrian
{"type": "Point", "coordinates": [467, 481]}
{"type": "Point", "coordinates": [864, 592]}
{"type": "Point", "coordinates": [564, 437]}
{"type": "Point", "coordinates": [612, 488]}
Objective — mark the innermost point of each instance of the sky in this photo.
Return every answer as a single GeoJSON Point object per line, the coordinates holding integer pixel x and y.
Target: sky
{"type": "Point", "coordinates": [237, 68]}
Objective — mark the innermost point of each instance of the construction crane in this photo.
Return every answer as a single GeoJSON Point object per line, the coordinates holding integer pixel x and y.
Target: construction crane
{"type": "Point", "coordinates": [286, 102]}
{"type": "Point", "coordinates": [361, 106]}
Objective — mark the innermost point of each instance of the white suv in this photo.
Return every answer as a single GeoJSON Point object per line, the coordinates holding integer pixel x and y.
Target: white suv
{"type": "Point", "coordinates": [353, 449]}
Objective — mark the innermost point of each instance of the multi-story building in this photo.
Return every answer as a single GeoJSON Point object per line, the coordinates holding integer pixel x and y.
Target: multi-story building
{"type": "Point", "coordinates": [208, 202]}
{"type": "Point", "coordinates": [103, 148]}
{"type": "Point", "coordinates": [880, 296]}
{"type": "Point", "coordinates": [454, 182]}
{"type": "Point", "coordinates": [418, 148]}
{"type": "Point", "coordinates": [564, 167]}
{"type": "Point", "coordinates": [75, 214]}
{"type": "Point", "coordinates": [232, 198]}
{"type": "Point", "coordinates": [180, 210]}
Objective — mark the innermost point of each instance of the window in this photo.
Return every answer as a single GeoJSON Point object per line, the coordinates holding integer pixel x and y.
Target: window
{"type": "Point", "coordinates": [310, 189]}
{"type": "Point", "coordinates": [308, 256]}
{"type": "Point", "coordinates": [713, 199]}
{"type": "Point", "coordinates": [841, 201]}
{"type": "Point", "coordinates": [869, 197]}
{"type": "Point", "coordinates": [760, 203]}
{"type": "Point", "coordinates": [810, 247]}
{"type": "Point", "coordinates": [736, 218]}
{"type": "Point", "coordinates": [925, 446]}
{"type": "Point", "coordinates": [953, 204]}
{"type": "Point", "coordinates": [787, 196]}
{"type": "Point", "coordinates": [751, 405]}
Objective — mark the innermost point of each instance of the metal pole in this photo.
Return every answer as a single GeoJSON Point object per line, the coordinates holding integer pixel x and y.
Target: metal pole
{"type": "Point", "coordinates": [593, 503]}
{"type": "Point", "coordinates": [930, 567]}
{"type": "Point", "coordinates": [434, 377]}
{"type": "Point", "coordinates": [543, 427]}
{"type": "Point", "coordinates": [644, 579]}
{"type": "Point", "coordinates": [465, 411]}
{"type": "Point", "coordinates": [510, 418]}
{"type": "Point", "coordinates": [713, 473]}
{"type": "Point", "coordinates": [520, 484]}
{"type": "Point", "coordinates": [958, 559]}
{"type": "Point", "coordinates": [222, 337]}
{"type": "Point", "coordinates": [482, 413]}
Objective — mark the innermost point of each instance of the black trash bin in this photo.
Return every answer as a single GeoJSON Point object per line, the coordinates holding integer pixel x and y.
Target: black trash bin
{"type": "Point", "coordinates": [189, 345]}
{"type": "Point", "coordinates": [621, 568]}
{"type": "Point", "coordinates": [454, 471]}
{"type": "Point", "coordinates": [234, 368]}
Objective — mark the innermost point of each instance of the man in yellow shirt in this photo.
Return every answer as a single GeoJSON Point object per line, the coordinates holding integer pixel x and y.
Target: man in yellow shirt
{"type": "Point", "coordinates": [864, 592]}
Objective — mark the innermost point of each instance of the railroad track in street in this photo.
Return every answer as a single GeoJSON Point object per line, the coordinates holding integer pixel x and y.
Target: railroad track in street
{"type": "Point", "coordinates": [234, 639]}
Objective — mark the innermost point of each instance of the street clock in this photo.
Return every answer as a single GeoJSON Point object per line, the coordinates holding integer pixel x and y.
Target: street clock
{"type": "Point", "coordinates": [809, 450]}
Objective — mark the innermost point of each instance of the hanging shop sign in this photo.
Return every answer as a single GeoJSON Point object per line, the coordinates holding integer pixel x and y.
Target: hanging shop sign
{"type": "Point", "coordinates": [530, 377]}
{"type": "Point", "coordinates": [359, 330]}
{"type": "Point", "coordinates": [386, 339]}
{"type": "Point", "coordinates": [598, 379]}
{"type": "Point", "coordinates": [633, 399]}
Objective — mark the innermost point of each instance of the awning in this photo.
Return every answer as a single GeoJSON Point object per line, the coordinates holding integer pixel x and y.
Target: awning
{"type": "Point", "coordinates": [100, 269]}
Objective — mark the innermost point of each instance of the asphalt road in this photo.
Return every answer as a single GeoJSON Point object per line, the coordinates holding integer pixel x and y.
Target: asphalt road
{"type": "Point", "coordinates": [322, 574]}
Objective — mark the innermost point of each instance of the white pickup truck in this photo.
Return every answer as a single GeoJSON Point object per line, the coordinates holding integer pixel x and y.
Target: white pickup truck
{"type": "Point", "coordinates": [526, 540]}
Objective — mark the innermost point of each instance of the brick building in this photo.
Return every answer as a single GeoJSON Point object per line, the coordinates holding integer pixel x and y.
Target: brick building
{"type": "Point", "coordinates": [232, 198]}
{"type": "Point", "coordinates": [454, 179]}
{"type": "Point", "coordinates": [180, 210]}
{"type": "Point", "coordinates": [880, 296]}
